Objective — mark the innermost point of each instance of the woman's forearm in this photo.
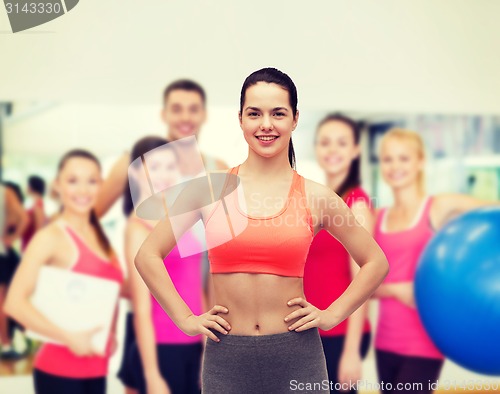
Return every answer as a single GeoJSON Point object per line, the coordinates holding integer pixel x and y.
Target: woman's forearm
{"type": "Point", "coordinates": [384, 291]}
{"type": "Point", "coordinates": [355, 325]}
{"type": "Point", "coordinates": [28, 316]}
{"type": "Point", "coordinates": [146, 343]}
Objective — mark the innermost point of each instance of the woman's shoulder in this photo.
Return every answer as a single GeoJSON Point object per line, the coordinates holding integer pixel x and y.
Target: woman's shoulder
{"type": "Point", "coordinates": [48, 237]}
{"type": "Point", "coordinates": [318, 194]}
{"type": "Point", "coordinates": [54, 229]}
{"type": "Point", "coordinates": [220, 178]}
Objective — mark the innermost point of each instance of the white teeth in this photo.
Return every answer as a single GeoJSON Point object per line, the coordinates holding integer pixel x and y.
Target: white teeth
{"type": "Point", "coordinates": [267, 138]}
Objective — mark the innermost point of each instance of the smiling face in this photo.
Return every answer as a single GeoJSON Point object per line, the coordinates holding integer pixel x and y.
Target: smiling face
{"type": "Point", "coordinates": [267, 119]}
{"type": "Point", "coordinates": [78, 184]}
{"type": "Point", "coordinates": [183, 113]}
{"type": "Point", "coordinates": [336, 147]}
{"type": "Point", "coordinates": [401, 162]}
{"type": "Point", "coordinates": [162, 171]}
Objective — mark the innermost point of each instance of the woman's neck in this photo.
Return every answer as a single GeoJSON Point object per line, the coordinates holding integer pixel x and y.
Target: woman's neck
{"type": "Point", "coordinates": [80, 222]}
{"type": "Point", "coordinates": [267, 167]}
{"type": "Point", "coordinates": [335, 181]}
{"type": "Point", "coordinates": [407, 197]}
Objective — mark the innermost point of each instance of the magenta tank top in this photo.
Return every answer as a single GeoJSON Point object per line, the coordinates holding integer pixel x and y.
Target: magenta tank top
{"type": "Point", "coordinates": [399, 328]}
{"type": "Point", "coordinates": [58, 359]}
{"type": "Point", "coordinates": [186, 275]}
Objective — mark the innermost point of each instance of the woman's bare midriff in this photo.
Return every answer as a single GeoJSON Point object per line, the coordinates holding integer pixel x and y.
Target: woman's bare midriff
{"type": "Point", "coordinates": [257, 303]}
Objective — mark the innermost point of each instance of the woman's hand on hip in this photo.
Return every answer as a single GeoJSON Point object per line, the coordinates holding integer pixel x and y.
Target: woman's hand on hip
{"type": "Point", "coordinates": [310, 316]}
{"type": "Point", "coordinates": [194, 325]}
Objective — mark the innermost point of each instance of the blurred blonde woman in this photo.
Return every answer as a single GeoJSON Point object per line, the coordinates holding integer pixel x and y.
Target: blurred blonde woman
{"type": "Point", "coordinates": [404, 351]}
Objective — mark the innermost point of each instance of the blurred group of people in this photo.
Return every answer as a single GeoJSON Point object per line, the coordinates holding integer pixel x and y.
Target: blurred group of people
{"type": "Point", "coordinates": [157, 356]}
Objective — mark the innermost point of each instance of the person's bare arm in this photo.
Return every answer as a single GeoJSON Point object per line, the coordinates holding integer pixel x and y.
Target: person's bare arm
{"type": "Point", "coordinates": [113, 186]}
{"type": "Point", "coordinates": [141, 299]}
{"type": "Point", "coordinates": [448, 206]}
{"type": "Point", "coordinates": [444, 208]}
{"type": "Point", "coordinates": [385, 290]}
{"type": "Point", "coordinates": [336, 217]}
{"type": "Point", "coordinates": [38, 253]}
{"type": "Point", "coordinates": [350, 361]}
{"type": "Point", "coordinates": [16, 216]}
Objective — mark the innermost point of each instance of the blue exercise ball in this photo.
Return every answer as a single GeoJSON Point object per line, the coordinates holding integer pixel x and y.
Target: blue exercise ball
{"type": "Point", "coordinates": [457, 290]}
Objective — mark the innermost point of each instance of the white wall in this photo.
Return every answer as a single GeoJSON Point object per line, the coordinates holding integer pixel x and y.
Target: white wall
{"type": "Point", "coordinates": [421, 56]}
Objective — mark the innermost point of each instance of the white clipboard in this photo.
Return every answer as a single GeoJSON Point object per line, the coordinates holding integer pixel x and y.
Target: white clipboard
{"type": "Point", "coordinates": [75, 302]}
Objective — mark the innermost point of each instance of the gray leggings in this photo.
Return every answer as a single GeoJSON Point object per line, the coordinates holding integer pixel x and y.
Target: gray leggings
{"type": "Point", "coordinates": [289, 362]}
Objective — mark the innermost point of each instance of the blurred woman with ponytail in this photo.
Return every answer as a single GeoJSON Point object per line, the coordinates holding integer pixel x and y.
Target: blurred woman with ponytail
{"type": "Point", "coordinates": [329, 268]}
{"type": "Point", "coordinates": [74, 241]}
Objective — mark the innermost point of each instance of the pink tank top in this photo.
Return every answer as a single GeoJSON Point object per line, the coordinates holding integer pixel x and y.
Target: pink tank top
{"type": "Point", "coordinates": [59, 360]}
{"type": "Point", "coordinates": [186, 275]}
{"type": "Point", "coordinates": [399, 329]}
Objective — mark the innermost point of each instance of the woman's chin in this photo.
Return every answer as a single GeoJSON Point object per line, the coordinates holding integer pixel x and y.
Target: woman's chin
{"type": "Point", "coordinates": [399, 184]}
{"type": "Point", "coordinates": [80, 210]}
{"type": "Point", "coordinates": [267, 152]}
{"type": "Point", "coordinates": [334, 170]}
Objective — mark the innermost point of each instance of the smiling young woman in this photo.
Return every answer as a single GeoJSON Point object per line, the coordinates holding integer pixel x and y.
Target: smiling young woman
{"type": "Point", "coordinates": [263, 333]}
{"type": "Point", "coordinates": [404, 351]}
{"type": "Point", "coordinates": [75, 242]}
{"type": "Point", "coordinates": [329, 268]}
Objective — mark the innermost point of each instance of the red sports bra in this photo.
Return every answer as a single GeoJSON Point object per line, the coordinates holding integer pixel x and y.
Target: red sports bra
{"type": "Point", "coordinates": [276, 244]}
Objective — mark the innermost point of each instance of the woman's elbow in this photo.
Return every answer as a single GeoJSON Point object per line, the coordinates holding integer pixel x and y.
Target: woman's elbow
{"type": "Point", "coordinates": [139, 260]}
{"type": "Point", "coordinates": [384, 267]}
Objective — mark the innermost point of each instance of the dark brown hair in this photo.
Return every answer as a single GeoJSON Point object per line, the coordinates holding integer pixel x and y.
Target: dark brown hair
{"type": "Point", "coordinates": [140, 148]}
{"type": "Point", "coordinates": [185, 84]}
{"type": "Point", "coordinates": [353, 178]}
{"type": "Point", "coordinates": [273, 75]}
